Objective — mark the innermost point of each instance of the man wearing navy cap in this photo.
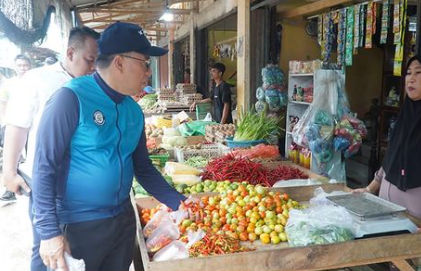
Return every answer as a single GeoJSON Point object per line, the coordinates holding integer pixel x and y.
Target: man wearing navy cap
{"type": "Point", "coordinates": [91, 141]}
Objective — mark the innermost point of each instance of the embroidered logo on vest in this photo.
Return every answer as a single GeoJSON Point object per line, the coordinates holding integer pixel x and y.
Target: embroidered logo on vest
{"type": "Point", "coordinates": [99, 118]}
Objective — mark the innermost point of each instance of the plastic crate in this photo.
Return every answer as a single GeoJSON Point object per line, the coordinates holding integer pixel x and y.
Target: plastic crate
{"type": "Point", "coordinates": [243, 144]}
{"type": "Point", "coordinates": [183, 155]}
{"type": "Point", "coordinates": [159, 159]}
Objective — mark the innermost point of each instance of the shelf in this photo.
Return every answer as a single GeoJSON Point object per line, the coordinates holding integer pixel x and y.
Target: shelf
{"type": "Point", "coordinates": [302, 103]}
{"type": "Point", "coordinates": [301, 74]}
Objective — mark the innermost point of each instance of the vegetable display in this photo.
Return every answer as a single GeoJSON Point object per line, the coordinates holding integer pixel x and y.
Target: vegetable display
{"type": "Point", "coordinates": [248, 213]}
{"type": "Point", "coordinates": [255, 126]}
{"type": "Point", "coordinates": [242, 169]}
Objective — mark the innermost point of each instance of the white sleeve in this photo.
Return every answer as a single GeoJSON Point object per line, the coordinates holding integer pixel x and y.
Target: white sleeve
{"type": "Point", "coordinates": [22, 104]}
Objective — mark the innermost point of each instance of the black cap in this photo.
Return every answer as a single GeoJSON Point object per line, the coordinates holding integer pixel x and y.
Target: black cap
{"type": "Point", "coordinates": [126, 37]}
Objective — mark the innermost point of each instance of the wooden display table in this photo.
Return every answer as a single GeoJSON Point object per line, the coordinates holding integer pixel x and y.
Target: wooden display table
{"type": "Point", "coordinates": [396, 249]}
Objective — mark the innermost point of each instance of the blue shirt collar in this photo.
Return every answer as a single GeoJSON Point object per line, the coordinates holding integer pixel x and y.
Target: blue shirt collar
{"type": "Point", "coordinates": [114, 95]}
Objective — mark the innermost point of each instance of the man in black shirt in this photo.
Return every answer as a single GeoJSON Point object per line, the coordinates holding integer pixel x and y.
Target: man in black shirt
{"type": "Point", "coordinates": [220, 96]}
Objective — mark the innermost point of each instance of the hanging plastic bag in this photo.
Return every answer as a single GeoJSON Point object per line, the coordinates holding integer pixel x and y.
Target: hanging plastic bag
{"type": "Point", "coordinates": [315, 129]}
{"type": "Point", "coordinates": [178, 250]}
{"type": "Point", "coordinates": [319, 225]}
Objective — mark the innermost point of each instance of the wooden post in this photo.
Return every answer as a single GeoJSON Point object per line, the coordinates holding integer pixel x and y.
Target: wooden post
{"type": "Point", "coordinates": [192, 48]}
{"type": "Point", "coordinates": [243, 55]}
{"type": "Point", "coordinates": [170, 58]}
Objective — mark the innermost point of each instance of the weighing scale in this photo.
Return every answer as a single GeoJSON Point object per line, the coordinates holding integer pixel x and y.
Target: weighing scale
{"type": "Point", "coordinates": [374, 216]}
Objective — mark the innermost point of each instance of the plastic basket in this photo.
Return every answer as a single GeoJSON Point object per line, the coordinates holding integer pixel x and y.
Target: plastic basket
{"type": "Point", "coordinates": [202, 110]}
{"type": "Point", "coordinates": [184, 155]}
{"type": "Point", "coordinates": [243, 144]}
{"type": "Point", "coordinates": [159, 159]}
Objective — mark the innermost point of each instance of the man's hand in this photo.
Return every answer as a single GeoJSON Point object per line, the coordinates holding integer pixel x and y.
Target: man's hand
{"type": "Point", "coordinates": [52, 252]}
{"type": "Point", "coordinates": [362, 190]}
{"type": "Point", "coordinates": [13, 183]}
{"type": "Point", "coordinates": [193, 207]}
{"type": "Point", "coordinates": [193, 106]}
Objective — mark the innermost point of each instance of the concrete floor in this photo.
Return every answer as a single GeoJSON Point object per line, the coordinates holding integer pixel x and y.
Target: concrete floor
{"type": "Point", "coordinates": [15, 236]}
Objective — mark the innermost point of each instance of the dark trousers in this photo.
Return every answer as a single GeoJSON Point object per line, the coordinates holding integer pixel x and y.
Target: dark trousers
{"type": "Point", "coordinates": [105, 244]}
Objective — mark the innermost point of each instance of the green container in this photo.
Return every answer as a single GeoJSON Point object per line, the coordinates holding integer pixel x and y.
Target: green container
{"type": "Point", "coordinates": [202, 110]}
{"type": "Point", "coordinates": [159, 159]}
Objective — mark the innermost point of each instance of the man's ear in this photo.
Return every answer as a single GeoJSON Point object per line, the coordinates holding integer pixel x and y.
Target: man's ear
{"type": "Point", "coordinates": [118, 63]}
{"type": "Point", "coordinates": [70, 53]}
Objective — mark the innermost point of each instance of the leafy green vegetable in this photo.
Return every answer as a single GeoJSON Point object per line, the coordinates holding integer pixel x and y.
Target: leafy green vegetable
{"type": "Point", "coordinates": [256, 126]}
{"type": "Point", "coordinates": [197, 162]}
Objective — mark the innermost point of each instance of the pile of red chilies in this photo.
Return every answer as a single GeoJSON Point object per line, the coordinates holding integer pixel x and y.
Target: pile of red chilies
{"type": "Point", "coordinates": [242, 169]}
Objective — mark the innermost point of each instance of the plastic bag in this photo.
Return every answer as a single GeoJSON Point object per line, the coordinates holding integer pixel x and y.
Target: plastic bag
{"type": "Point", "coordinates": [320, 197]}
{"type": "Point", "coordinates": [318, 225]}
{"type": "Point", "coordinates": [73, 264]}
{"type": "Point", "coordinates": [260, 94]}
{"type": "Point", "coordinates": [177, 249]}
{"type": "Point", "coordinates": [194, 128]}
{"type": "Point", "coordinates": [316, 127]}
{"type": "Point", "coordinates": [153, 224]}
{"type": "Point", "coordinates": [164, 234]}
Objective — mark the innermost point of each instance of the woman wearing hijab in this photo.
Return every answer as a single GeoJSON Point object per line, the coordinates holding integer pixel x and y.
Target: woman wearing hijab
{"type": "Point", "coordinates": [399, 178]}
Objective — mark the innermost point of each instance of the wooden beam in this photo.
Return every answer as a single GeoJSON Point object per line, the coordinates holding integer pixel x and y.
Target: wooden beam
{"type": "Point", "coordinates": [403, 265]}
{"type": "Point", "coordinates": [107, 19]}
{"type": "Point", "coordinates": [171, 58]}
{"type": "Point", "coordinates": [136, 10]}
{"type": "Point", "coordinates": [243, 56]}
{"type": "Point", "coordinates": [313, 8]}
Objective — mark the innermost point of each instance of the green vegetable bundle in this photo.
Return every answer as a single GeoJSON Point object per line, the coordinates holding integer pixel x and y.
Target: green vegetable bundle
{"type": "Point", "coordinates": [256, 126]}
{"type": "Point", "coordinates": [197, 161]}
{"type": "Point", "coordinates": [148, 101]}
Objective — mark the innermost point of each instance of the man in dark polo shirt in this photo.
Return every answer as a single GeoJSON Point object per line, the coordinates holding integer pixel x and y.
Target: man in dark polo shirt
{"type": "Point", "coordinates": [220, 96]}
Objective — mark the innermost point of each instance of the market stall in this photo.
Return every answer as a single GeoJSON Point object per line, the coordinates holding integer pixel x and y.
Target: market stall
{"type": "Point", "coordinates": [396, 248]}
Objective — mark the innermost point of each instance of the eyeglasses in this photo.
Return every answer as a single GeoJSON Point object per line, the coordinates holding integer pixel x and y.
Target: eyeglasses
{"type": "Point", "coordinates": [147, 62]}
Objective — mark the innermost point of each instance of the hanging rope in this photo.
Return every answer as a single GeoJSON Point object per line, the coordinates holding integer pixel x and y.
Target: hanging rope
{"type": "Point", "coordinates": [23, 37]}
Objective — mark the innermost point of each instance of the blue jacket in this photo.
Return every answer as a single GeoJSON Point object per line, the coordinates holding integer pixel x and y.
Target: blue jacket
{"type": "Point", "coordinates": [90, 143]}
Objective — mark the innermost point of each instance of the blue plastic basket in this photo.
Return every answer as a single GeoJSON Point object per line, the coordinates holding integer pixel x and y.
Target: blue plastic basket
{"type": "Point", "coordinates": [243, 144]}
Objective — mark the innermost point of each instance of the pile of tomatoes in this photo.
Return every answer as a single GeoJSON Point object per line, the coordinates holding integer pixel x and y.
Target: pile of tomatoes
{"type": "Point", "coordinates": [247, 213]}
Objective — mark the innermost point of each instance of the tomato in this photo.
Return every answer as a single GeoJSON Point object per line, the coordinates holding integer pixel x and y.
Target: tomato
{"type": "Point", "coordinates": [252, 236]}
{"type": "Point", "coordinates": [283, 236]}
{"type": "Point", "coordinates": [241, 228]}
{"type": "Point", "coordinates": [243, 236]}
{"type": "Point", "coordinates": [275, 239]}
{"type": "Point", "coordinates": [265, 238]}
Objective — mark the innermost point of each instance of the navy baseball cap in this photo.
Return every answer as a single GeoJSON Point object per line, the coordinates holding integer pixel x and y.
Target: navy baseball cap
{"type": "Point", "coordinates": [126, 37]}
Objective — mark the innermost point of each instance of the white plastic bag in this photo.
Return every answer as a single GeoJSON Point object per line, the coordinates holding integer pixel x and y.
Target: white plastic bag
{"type": "Point", "coordinates": [320, 197]}
{"type": "Point", "coordinates": [164, 234]}
{"type": "Point", "coordinates": [177, 249]}
{"type": "Point", "coordinates": [73, 264]}
{"type": "Point", "coordinates": [153, 224]}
